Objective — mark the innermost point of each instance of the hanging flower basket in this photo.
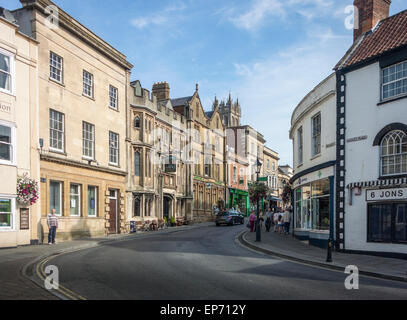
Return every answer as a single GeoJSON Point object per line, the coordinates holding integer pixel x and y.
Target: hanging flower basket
{"type": "Point", "coordinates": [286, 195]}
{"type": "Point", "coordinates": [258, 191]}
{"type": "Point", "coordinates": [27, 190]}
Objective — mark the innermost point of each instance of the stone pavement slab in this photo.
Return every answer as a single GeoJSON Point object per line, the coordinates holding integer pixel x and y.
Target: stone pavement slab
{"type": "Point", "coordinates": [286, 246]}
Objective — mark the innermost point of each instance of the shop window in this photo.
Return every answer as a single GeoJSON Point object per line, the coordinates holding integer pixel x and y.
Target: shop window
{"type": "Point", "coordinates": [394, 153]}
{"type": "Point", "coordinates": [387, 223]}
{"type": "Point", "coordinates": [92, 201]}
{"type": "Point", "coordinates": [6, 213]}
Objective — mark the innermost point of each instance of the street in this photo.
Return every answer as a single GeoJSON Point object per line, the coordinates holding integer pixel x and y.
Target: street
{"type": "Point", "coordinates": [204, 264]}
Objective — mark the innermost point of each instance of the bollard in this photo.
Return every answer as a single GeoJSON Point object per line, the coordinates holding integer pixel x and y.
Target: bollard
{"type": "Point", "coordinates": [329, 257]}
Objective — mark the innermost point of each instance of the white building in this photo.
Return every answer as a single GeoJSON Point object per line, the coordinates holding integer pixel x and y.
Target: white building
{"type": "Point", "coordinates": [313, 133]}
{"type": "Point", "coordinates": [372, 135]}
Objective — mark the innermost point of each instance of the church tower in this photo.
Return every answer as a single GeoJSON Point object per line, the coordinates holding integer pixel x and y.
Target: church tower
{"type": "Point", "coordinates": [230, 111]}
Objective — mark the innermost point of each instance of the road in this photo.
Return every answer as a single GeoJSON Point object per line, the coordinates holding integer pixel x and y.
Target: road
{"type": "Point", "coordinates": [204, 264]}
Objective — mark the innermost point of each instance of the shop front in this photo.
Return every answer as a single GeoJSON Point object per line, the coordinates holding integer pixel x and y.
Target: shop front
{"type": "Point", "coordinates": [314, 206]}
{"type": "Point", "coordinates": [239, 198]}
{"type": "Point", "coordinates": [377, 217]}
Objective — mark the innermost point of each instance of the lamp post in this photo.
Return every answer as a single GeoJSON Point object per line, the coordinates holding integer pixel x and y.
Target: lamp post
{"type": "Point", "coordinates": [258, 231]}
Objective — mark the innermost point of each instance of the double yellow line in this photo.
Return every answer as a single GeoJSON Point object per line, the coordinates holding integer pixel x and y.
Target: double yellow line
{"type": "Point", "coordinates": [69, 294]}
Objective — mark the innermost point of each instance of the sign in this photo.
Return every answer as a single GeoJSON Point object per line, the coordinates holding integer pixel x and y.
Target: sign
{"type": "Point", "coordinates": [170, 165]}
{"type": "Point", "coordinates": [356, 139]}
{"type": "Point", "coordinates": [4, 107]}
{"type": "Point", "coordinates": [386, 194]}
{"type": "Point", "coordinates": [263, 179]}
{"type": "Point", "coordinates": [24, 219]}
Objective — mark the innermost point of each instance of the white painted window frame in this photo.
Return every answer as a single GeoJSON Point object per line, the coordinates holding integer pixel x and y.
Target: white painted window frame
{"type": "Point", "coordinates": [13, 161]}
{"type": "Point", "coordinates": [12, 73]}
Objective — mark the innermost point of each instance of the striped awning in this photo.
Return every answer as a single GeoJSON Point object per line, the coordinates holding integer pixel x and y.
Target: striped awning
{"type": "Point", "coordinates": [378, 183]}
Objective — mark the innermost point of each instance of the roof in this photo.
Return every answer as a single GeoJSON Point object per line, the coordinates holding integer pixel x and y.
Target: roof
{"type": "Point", "coordinates": [180, 101]}
{"type": "Point", "coordinates": [4, 13]}
{"type": "Point", "coordinates": [390, 34]}
{"type": "Point", "coordinates": [209, 114]}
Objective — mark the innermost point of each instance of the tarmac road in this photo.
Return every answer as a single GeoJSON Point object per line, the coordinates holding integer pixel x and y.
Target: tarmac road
{"type": "Point", "coordinates": [204, 264]}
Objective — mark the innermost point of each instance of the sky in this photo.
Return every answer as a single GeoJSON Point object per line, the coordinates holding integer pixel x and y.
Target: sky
{"type": "Point", "coordinates": [267, 53]}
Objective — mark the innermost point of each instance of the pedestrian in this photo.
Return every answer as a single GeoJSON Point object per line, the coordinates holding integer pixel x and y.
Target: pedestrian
{"type": "Point", "coordinates": [287, 220]}
{"type": "Point", "coordinates": [275, 220]}
{"type": "Point", "coordinates": [261, 217]}
{"type": "Point", "coordinates": [252, 220]}
{"type": "Point", "coordinates": [52, 221]}
{"type": "Point", "coordinates": [269, 217]}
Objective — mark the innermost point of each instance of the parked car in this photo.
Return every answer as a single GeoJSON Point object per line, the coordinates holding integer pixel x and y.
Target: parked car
{"type": "Point", "coordinates": [229, 218]}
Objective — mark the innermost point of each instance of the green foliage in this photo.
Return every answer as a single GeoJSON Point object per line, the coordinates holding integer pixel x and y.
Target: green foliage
{"type": "Point", "coordinates": [286, 195]}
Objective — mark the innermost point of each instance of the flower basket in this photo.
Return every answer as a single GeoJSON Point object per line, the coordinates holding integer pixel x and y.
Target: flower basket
{"type": "Point", "coordinates": [27, 191]}
{"type": "Point", "coordinates": [258, 191]}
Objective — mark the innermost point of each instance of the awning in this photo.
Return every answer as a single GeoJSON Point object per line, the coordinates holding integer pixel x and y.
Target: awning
{"type": "Point", "coordinates": [378, 183]}
{"type": "Point", "coordinates": [274, 199]}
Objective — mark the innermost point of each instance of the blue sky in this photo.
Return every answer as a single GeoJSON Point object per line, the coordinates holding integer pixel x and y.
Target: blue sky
{"type": "Point", "coordinates": [268, 53]}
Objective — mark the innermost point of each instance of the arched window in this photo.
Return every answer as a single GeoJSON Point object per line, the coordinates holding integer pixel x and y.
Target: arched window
{"type": "Point", "coordinates": [137, 164]}
{"type": "Point", "coordinates": [393, 150]}
{"type": "Point", "coordinates": [137, 122]}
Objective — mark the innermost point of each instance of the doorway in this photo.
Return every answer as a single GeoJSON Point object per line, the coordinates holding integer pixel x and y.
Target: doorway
{"type": "Point", "coordinates": [167, 207]}
{"type": "Point", "coordinates": [113, 216]}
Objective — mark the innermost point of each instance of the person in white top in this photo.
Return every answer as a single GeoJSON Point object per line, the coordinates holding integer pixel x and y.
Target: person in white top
{"type": "Point", "coordinates": [275, 219]}
{"type": "Point", "coordinates": [287, 220]}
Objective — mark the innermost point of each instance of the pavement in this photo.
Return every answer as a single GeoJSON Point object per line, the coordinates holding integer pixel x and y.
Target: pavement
{"type": "Point", "coordinates": [287, 247]}
{"type": "Point", "coordinates": [17, 264]}
{"type": "Point", "coordinates": [206, 263]}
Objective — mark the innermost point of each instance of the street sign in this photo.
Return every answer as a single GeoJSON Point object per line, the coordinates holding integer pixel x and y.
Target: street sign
{"type": "Point", "coordinates": [263, 179]}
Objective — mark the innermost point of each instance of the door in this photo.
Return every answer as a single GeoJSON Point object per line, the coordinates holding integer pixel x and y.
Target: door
{"type": "Point", "coordinates": [167, 204]}
{"type": "Point", "coordinates": [113, 220]}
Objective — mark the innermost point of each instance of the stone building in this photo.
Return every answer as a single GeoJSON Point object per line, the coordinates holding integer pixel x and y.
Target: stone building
{"type": "Point", "coordinates": [207, 153]}
{"type": "Point", "coordinates": [19, 144]}
{"type": "Point", "coordinates": [230, 111]}
{"type": "Point", "coordinates": [158, 184]}
{"type": "Point", "coordinates": [270, 174]}
{"type": "Point", "coordinates": [83, 85]}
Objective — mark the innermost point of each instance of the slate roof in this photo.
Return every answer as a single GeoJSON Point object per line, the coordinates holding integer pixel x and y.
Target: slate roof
{"type": "Point", "coordinates": [6, 14]}
{"type": "Point", "coordinates": [390, 34]}
{"type": "Point", "coordinates": [180, 101]}
{"type": "Point", "coordinates": [209, 114]}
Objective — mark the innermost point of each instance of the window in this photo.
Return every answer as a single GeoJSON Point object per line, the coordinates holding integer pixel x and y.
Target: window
{"type": "Point", "coordinates": [57, 130]}
{"type": "Point", "coordinates": [312, 206]}
{"type": "Point", "coordinates": [137, 122]}
{"type": "Point", "coordinates": [92, 201]}
{"type": "Point", "coordinates": [113, 97]}
{"type": "Point", "coordinates": [75, 200]}
{"type": "Point", "coordinates": [316, 135]}
{"type": "Point", "coordinates": [137, 211]}
{"type": "Point", "coordinates": [234, 174]}
{"type": "Point", "coordinates": [55, 197]}
{"type": "Point", "coordinates": [88, 138]}
{"type": "Point", "coordinates": [300, 146]}
{"type": "Point", "coordinates": [6, 71]}
{"type": "Point", "coordinates": [87, 84]}
{"type": "Point", "coordinates": [394, 80]}
{"type": "Point", "coordinates": [148, 165]}
{"type": "Point", "coordinates": [394, 153]}
{"type": "Point", "coordinates": [6, 213]}
{"type": "Point", "coordinates": [268, 164]}
{"type": "Point", "coordinates": [137, 164]}
{"type": "Point", "coordinates": [7, 151]}
{"type": "Point", "coordinates": [113, 148]}
{"type": "Point", "coordinates": [55, 67]}
{"type": "Point", "coordinates": [387, 223]}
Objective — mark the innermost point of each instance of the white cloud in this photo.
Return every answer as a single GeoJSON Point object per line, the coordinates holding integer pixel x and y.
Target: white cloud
{"type": "Point", "coordinates": [258, 12]}
{"type": "Point", "coordinates": [165, 17]}
{"type": "Point", "coordinates": [270, 89]}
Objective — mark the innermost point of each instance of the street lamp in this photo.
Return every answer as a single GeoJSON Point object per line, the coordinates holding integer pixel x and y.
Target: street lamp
{"type": "Point", "coordinates": [258, 231]}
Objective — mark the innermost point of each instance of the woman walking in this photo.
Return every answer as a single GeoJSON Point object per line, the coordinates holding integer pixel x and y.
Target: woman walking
{"type": "Point", "coordinates": [252, 220]}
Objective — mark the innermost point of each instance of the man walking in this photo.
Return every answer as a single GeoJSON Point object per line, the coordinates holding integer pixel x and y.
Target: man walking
{"type": "Point", "coordinates": [287, 220]}
{"type": "Point", "coordinates": [52, 221]}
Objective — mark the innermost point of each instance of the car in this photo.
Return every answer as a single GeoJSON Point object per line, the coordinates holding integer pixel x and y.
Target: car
{"type": "Point", "coordinates": [229, 218]}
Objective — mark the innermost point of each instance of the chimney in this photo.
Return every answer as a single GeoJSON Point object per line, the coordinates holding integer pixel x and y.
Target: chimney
{"type": "Point", "coordinates": [161, 90]}
{"type": "Point", "coordinates": [370, 13]}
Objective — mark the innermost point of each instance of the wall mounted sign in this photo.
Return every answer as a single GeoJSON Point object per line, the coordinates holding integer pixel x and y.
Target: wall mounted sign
{"type": "Point", "coordinates": [386, 194]}
{"type": "Point", "coordinates": [356, 139]}
{"type": "Point", "coordinates": [24, 219]}
{"type": "Point", "coordinates": [5, 107]}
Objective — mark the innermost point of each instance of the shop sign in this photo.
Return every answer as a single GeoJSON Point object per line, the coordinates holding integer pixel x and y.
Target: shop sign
{"type": "Point", "coordinates": [24, 219]}
{"type": "Point", "coordinates": [386, 194]}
